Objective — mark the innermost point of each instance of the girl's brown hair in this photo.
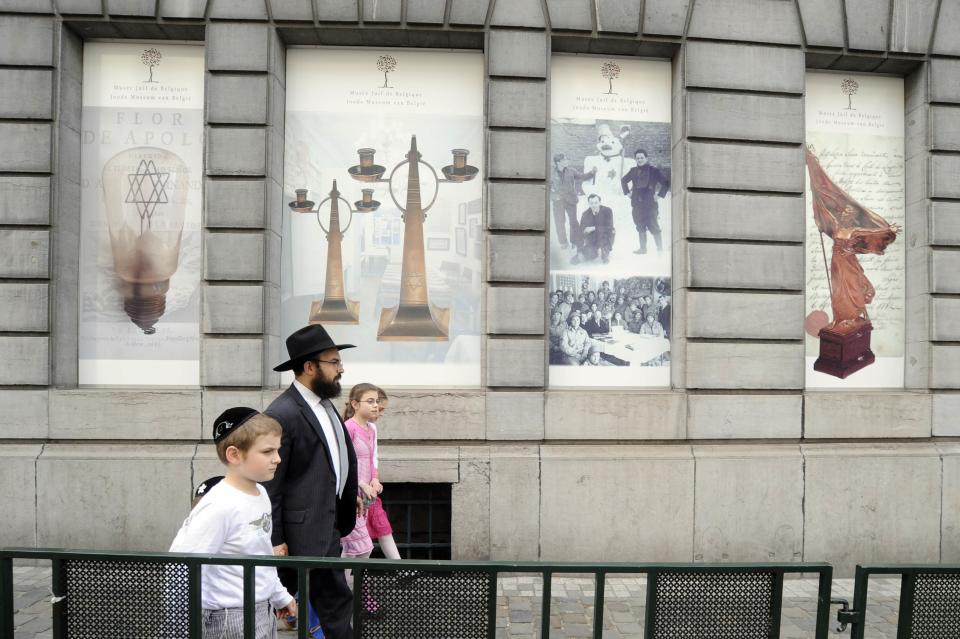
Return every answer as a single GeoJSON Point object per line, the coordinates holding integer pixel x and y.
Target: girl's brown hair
{"type": "Point", "coordinates": [356, 393]}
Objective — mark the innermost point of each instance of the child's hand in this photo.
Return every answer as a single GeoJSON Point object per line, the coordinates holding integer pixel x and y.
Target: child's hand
{"type": "Point", "coordinates": [289, 611]}
{"type": "Point", "coordinates": [376, 485]}
{"type": "Point", "coordinates": [369, 491]}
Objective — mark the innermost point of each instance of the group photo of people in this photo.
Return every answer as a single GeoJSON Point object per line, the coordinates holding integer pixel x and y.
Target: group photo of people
{"type": "Point", "coordinates": [609, 322]}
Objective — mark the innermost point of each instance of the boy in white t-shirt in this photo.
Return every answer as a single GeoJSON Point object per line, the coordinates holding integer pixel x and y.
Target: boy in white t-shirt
{"type": "Point", "coordinates": [235, 518]}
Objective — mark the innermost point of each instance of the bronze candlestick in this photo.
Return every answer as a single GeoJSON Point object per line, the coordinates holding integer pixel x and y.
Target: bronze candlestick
{"type": "Point", "coordinates": [335, 308]}
{"type": "Point", "coordinates": [414, 318]}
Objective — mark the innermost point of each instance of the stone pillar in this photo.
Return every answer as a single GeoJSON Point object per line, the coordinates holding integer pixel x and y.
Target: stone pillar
{"type": "Point", "coordinates": [515, 356]}
{"type": "Point", "coordinates": [515, 360]}
{"type": "Point", "coordinates": [739, 265]}
{"type": "Point", "coordinates": [243, 189]}
{"type": "Point", "coordinates": [31, 128]}
{"type": "Point", "coordinates": [944, 259]}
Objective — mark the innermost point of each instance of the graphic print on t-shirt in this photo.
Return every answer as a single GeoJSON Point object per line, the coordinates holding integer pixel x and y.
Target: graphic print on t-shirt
{"type": "Point", "coordinates": [264, 523]}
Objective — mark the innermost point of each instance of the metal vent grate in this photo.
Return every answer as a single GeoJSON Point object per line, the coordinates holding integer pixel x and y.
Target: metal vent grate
{"type": "Point", "coordinates": [693, 605]}
{"type": "Point", "coordinates": [936, 607]}
{"type": "Point", "coordinates": [126, 600]}
{"type": "Point", "coordinates": [425, 605]}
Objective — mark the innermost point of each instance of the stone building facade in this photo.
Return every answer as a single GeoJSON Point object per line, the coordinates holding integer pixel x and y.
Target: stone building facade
{"type": "Point", "coordinates": [737, 461]}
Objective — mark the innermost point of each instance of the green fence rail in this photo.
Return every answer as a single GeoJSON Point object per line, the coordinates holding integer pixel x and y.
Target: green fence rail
{"type": "Point", "coordinates": [929, 600]}
{"type": "Point", "coordinates": [682, 600]}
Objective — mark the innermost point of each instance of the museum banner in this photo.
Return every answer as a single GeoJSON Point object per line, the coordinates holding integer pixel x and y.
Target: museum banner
{"type": "Point", "coordinates": [855, 248]}
{"type": "Point", "coordinates": [610, 223]}
{"type": "Point", "coordinates": [141, 171]}
{"type": "Point", "coordinates": [382, 210]}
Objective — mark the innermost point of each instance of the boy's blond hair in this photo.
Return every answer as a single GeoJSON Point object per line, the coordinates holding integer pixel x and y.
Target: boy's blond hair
{"type": "Point", "coordinates": [247, 433]}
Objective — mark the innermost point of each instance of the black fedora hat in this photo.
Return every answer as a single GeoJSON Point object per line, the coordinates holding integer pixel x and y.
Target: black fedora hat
{"type": "Point", "coordinates": [308, 341]}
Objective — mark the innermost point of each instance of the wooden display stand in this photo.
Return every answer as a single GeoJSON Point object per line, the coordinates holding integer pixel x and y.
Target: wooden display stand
{"type": "Point", "coordinates": [842, 354]}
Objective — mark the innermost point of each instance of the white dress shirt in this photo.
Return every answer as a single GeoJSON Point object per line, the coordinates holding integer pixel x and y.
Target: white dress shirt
{"type": "Point", "coordinates": [314, 403]}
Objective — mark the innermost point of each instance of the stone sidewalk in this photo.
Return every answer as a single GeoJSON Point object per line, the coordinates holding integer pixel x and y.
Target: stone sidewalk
{"type": "Point", "coordinates": [518, 613]}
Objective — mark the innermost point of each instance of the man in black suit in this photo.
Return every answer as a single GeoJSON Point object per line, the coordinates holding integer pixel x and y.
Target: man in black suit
{"type": "Point", "coordinates": [645, 183]}
{"type": "Point", "coordinates": [314, 491]}
{"type": "Point", "coordinates": [596, 232]}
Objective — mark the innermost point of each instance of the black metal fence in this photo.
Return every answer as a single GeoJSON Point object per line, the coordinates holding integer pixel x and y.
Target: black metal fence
{"type": "Point", "coordinates": [413, 598]}
{"type": "Point", "coordinates": [929, 600]}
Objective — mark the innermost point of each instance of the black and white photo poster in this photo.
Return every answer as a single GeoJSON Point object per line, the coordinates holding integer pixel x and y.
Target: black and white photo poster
{"type": "Point", "coordinates": [610, 236]}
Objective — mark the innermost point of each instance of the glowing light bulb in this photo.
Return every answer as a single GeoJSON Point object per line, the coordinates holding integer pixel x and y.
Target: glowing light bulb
{"type": "Point", "coordinates": [145, 194]}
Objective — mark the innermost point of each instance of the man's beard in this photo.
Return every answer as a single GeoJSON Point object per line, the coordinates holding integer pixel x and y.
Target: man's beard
{"type": "Point", "coordinates": [325, 389]}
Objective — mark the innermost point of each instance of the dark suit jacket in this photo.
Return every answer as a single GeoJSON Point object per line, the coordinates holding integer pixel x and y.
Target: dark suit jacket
{"type": "Point", "coordinates": [643, 183]}
{"type": "Point", "coordinates": [307, 514]}
{"type": "Point", "coordinates": [603, 221]}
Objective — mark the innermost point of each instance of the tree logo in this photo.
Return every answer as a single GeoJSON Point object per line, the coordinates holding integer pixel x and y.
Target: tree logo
{"type": "Point", "coordinates": [610, 70]}
{"type": "Point", "coordinates": [151, 58]}
{"type": "Point", "coordinates": [386, 64]}
{"type": "Point", "coordinates": [848, 87]}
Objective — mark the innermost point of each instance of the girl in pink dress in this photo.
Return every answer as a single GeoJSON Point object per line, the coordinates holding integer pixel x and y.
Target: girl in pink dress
{"type": "Point", "coordinates": [378, 524]}
{"type": "Point", "coordinates": [362, 409]}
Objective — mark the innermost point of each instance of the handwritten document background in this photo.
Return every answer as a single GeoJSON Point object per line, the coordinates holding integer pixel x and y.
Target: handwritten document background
{"type": "Point", "coordinates": [861, 148]}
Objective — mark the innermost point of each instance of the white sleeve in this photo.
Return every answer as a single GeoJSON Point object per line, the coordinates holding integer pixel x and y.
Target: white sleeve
{"type": "Point", "coordinates": [280, 597]}
{"type": "Point", "coordinates": [204, 531]}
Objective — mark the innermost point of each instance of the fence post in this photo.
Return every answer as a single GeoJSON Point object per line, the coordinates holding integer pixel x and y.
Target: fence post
{"type": "Point", "coordinates": [195, 601]}
{"type": "Point", "coordinates": [545, 604]}
{"type": "Point", "coordinates": [651, 625]}
{"type": "Point", "coordinates": [908, 583]}
{"type": "Point", "coordinates": [59, 583]}
{"type": "Point", "coordinates": [600, 584]}
{"type": "Point", "coordinates": [6, 597]}
{"type": "Point", "coordinates": [823, 602]}
{"type": "Point", "coordinates": [303, 603]}
{"type": "Point", "coordinates": [249, 601]}
{"type": "Point", "coordinates": [860, 582]}
{"type": "Point", "coordinates": [777, 604]}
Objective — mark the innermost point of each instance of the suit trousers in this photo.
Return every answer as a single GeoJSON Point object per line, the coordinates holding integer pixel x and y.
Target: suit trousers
{"type": "Point", "coordinates": [331, 597]}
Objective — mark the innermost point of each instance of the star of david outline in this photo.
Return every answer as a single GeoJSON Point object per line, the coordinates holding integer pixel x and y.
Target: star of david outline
{"type": "Point", "coordinates": [147, 204]}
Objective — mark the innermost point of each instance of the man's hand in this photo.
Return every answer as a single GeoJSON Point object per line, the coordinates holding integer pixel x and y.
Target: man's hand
{"type": "Point", "coordinates": [290, 610]}
{"type": "Point", "coordinates": [281, 550]}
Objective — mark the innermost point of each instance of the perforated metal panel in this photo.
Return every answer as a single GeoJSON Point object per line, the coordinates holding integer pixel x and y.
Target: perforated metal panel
{"type": "Point", "coordinates": [425, 605]}
{"type": "Point", "coordinates": [936, 607]}
{"type": "Point", "coordinates": [693, 605]}
{"type": "Point", "coordinates": [126, 600]}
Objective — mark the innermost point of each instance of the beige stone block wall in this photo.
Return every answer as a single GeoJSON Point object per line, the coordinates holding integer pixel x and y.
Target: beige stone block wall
{"type": "Point", "coordinates": [623, 503]}
{"type": "Point", "coordinates": [112, 496]}
{"type": "Point", "coordinates": [871, 503]}
{"type": "Point", "coordinates": [748, 503]}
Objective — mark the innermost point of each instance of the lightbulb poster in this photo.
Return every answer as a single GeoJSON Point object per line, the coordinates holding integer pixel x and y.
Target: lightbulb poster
{"type": "Point", "coordinates": [610, 222]}
{"type": "Point", "coordinates": [141, 167]}
{"type": "Point", "coordinates": [855, 246]}
{"type": "Point", "coordinates": [382, 226]}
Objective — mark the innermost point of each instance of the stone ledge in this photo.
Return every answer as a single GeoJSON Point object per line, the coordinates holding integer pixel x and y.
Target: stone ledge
{"type": "Point", "coordinates": [883, 414]}
{"type": "Point", "coordinates": [615, 415]}
{"type": "Point", "coordinates": [124, 414]}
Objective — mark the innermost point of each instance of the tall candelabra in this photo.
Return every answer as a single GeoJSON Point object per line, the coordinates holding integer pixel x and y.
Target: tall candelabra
{"type": "Point", "coordinates": [335, 307]}
{"type": "Point", "coordinates": [414, 318]}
